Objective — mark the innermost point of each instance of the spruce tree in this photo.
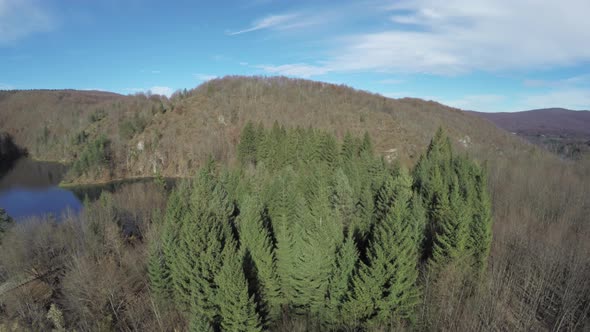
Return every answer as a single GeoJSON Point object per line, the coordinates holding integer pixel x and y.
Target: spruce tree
{"type": "Point", "coordinates": [340, 283]}
{"type": "Point", "coordinates": [385, 288]}
{"type": "Point", "coordinates": [342, 198]}
{"type": "Point", "coordinates": [158, 272]}
{"type": "Point", "coordinates": [317, 235]}
{"type": "Point", "coordinates": [198, 253]}
{"type": "Point", "coordinates": [248, 146]}
{"type": "Point", "coordinates": [236, 307]}
{"type": "Point", "coordinates": [451, 239]}
{"type": "Point", "coordinates": [481, 226]}
{"type": "Point", "coordinates": [257, 243]}
{"type": "Point", "coordinates": [285, 206]}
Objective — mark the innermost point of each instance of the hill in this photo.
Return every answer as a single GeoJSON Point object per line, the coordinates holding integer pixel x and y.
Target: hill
{"type": "Point", "coordinates": [547, 121]}
{"type": "Point", "coordinates": [559, 130]}
{"type": "Point", "coordinates": [153, 134]}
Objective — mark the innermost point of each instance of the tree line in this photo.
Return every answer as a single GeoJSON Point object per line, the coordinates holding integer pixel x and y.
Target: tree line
{"type": "Point", "coordinates": [305, 226]}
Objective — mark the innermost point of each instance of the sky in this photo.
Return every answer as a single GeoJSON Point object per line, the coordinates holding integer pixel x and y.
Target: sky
{"type": "Point", "coordinates": [485, 55]}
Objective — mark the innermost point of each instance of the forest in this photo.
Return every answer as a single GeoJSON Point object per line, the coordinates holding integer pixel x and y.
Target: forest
{"type": "Point", "coordinates": [102, 269]}
{"type": "Point", "coordinates": [303, 233]}
{"type": "Point", "coordinates": [311, 229]}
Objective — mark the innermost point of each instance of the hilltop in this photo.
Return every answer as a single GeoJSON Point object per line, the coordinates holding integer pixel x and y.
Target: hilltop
{"type": "Point", "coordinates": [169, 136]}
{"type": "Point", "coordinates": [565, 132]}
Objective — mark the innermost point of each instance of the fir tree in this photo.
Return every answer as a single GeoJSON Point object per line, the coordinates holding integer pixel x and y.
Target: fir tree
{"type": "Point", "coordinates": [339, 283]}
{"type": "Point", "coordinates": [385, 289]}
{"type": "Point", "coordinates": [257, 243]}
{"type": "Point", "coordinates": [342, 198]}
{"type": "Point", "coordinates": [480, 238]}
{"type": "Point", "coordinates": [236, 307]}
{"type": "Point", "coordinates": [248, 146]}
{"type": "Point", "coordinates": [450, 241]}
{"type": "Point", "coordinates": [158, 272]}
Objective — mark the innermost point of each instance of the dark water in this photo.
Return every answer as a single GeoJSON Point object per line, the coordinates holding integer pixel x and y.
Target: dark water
{"type": "Point", "coordinates": [30, 188]}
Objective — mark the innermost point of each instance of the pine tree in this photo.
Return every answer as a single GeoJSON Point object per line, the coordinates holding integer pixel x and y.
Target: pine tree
{"type": "Point", "coordinates": [339, 283]}
{"type": "Point", "coordinates": [366, 145]}
{"type": "Point", "coordinates": [328, 150]}
{"type": "Point", "coordinates": [342, 198]}
{"type": "Point", "coordinates": [236, 307]}
{"type": "Point", "coordinates": [285, 206]}
{"type": "Point", "coordinates": [248, 146]}
{"type": "Point", "coordinates": [257, 244]}
{"type": "Point", "coordinates": [163, 252]}
{"type": "Point", "coordinates": [201, 238]}
{"type": "Point", "coordinates": [385, 288]}
{"type": "Point", "coordinates": [450, 241]}
{"type": "Point", "coordinates": [158, 272]}
{"type": "Point", "coordinates": [316, 237]}
{"type": "Point", "coordinates": [481, 226]}
{"type": "Point", "coordinates": [349, 148]}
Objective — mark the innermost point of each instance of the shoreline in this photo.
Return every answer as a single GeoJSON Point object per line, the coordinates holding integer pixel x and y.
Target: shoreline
{"type": "Point", "coordinates": [67, 185]}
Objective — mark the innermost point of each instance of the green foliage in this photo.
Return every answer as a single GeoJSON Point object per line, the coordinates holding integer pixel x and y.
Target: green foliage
{"type": "Point", "coordinates": [97, 116]}
{"type": "Point", "coordinates": [133, 126]}
{"type": "Point", "coordinates": [94, 157]}
{"type": "Point", "coordinates": [385, 288]}
{"type": "Point", "coordinates": [248, 146]}
{"type": "Point", "coordinates": [308, 228]}
{"type": "Point", "coordinates": [261, 261]}
{"type": "Point", "coordinates": [237, 308]}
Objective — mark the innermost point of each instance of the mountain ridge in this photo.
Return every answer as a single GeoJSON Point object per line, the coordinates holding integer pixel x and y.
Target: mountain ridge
{"type": "Point", "coordinates": [154, 134]}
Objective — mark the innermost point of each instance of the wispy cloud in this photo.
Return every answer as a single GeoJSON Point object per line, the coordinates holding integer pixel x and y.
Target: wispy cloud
{"type": "Point", "coordinates": [204, 77]}
{"type": "Point", "coordinates": [157, 90]}
{"type": "Point", "coordinates": [20, 18]}
{"type": "Point", "coordinates": [573, 98]}
{"type": "Point", "coordinates": [577, 80]}
{"type": "Point", "coordinates": [6, 86]}
{"type": "Point", "coordinates": [284, 21]}
{"type": "Point", "coordinates": [296, 69]}
{"type": "Point", "coordinates": [481, 103]}
{"type": "Point", "coordinates": [461, 36]}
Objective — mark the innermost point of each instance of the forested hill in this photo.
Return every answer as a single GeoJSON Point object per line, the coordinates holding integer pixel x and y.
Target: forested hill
{"type": "Point", "coordinates": [548, 121]}
{"type": "Point", "coordinates": [114, 136]}
{"type": "Point", "coordinates": [564, 132]}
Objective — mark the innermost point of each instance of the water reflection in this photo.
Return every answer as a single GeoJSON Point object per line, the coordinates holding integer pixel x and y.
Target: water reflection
{"type": "Point", "coordinates": [30, 188]}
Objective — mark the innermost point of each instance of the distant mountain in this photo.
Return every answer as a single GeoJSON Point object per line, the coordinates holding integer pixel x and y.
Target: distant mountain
{"type": "Point", "coordinates": [548, 121]}
{"type": "Point", "coordinates": [561, 131]}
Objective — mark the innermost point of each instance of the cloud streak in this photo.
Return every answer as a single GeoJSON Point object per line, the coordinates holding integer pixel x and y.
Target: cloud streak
{"type": "Point", "coordinates": [272, 21]}
{"type": "Point", "coordinates": [21, 18]}
{"type": "Point", "coordinates": [462, 36]}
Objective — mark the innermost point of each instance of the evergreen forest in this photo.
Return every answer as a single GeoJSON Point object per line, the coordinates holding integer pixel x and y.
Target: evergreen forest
{"type": "Point", "coordinates": [306, 227]}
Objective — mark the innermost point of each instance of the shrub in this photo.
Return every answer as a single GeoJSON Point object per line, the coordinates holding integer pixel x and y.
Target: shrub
{"type": "Point", "coordinates": [95, 156]}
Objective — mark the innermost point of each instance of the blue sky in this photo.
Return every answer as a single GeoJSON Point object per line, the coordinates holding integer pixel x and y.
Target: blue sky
{"type": "Point", "coordinates": [486, 55]}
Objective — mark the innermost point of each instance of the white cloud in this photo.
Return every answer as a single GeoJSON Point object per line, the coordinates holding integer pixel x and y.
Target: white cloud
{"type": "Point", "coordinates": [204, 77]}
{"type": "Point", "coordinates": [577, 80]}
{"type": "Point", "coordinates": [20, 18]}
{"type": "Point", "coordinates": [573, 98]}
{"type": "Point", "coordinates": [461, 36]}
{"type": "Point", "coordinates": [480, 103]}
{"type": "Point", "coordinates": [6, 86]}
{"type": "Point", "coordinates": [296, 69]}
{"type": "Point", "coordinates": [272, 21]}
{"type": "Point", "coordinates": [161, 90]}
{"type": "Point", "coordinates": [157, 90]}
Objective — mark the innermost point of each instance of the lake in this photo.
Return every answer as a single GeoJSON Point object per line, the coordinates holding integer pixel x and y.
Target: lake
{"type": "Point", "coordinates": [30, 188]}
